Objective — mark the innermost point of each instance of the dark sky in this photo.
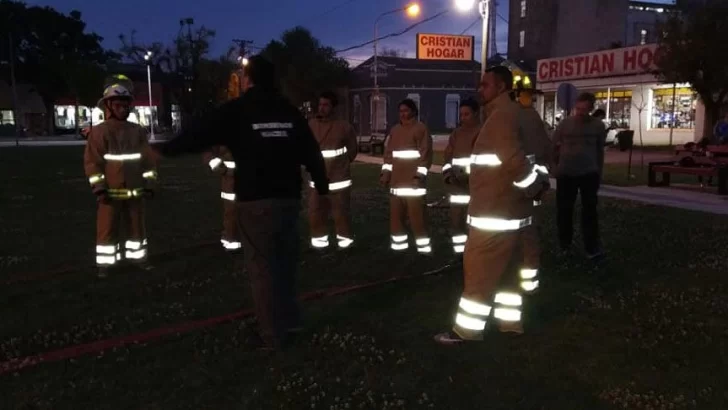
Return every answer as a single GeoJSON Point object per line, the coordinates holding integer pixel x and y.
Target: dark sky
{"type": "Point", "coordinates": [337, 23]}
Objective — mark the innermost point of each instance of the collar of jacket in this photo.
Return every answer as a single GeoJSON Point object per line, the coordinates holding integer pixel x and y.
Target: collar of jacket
{"type": "Point", "coordinates": [499, 101]}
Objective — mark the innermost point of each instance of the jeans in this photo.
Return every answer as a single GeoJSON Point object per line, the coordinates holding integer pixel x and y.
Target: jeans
{"type": "Point", "coordinates": [567, 189]}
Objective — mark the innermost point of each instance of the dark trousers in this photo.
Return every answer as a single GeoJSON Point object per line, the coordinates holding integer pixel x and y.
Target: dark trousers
{"type": "Point", "coordinates": [269, 232]}
{"type": "Point", "coordinates": [567, 188]}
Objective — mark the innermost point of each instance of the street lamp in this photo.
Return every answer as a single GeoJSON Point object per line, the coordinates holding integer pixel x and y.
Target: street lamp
{"type": "Point", "coordinates": [484, 9]}
{"type": "Point", "coordinates": [412, 10]}
{"type": "Point", "coordinates": [147, 58]}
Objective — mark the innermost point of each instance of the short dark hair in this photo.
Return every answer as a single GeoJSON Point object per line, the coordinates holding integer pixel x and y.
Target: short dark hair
{"type": "Point", "coordinates": [470, 103]}
{"type": "Point", "coordinates": [588, 97]}
{"type": "Point", "coordinates": [331, 96]}
{"type": "Point", "coordinates": [503, 74]}
{"type": "Point", "coordinates": [599, 113]}
{"type": "Point", "coordinates": [409, 103]}
{"type": "Point", "coordinates": [261, 71]}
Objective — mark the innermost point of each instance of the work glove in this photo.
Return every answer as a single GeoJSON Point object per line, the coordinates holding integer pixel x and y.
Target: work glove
{"type": "Point", "coordinates": [449, 177]}
{"type": "Point", "coordinates": [147, 193]}
{"type": "Point", "coordinates": [102, 196]}
{"type": "Point", "coordinates": [384, 179]}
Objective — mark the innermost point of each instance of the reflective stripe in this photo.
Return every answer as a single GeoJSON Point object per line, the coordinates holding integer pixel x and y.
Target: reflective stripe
{"type": "Point", "coordinates": [400, 246]}
{"type": "Point", "coordinates": [344, 242]}
{"type": "Point", "coordinates": [458, 248]}
{"type": "Point", "coordinates": [125, 193]}
{"type": "Point", "coordinates": [150, 174]}
{"type": "Point", "coordinates": [541, 169]}
{"type": "Point", "coordinates": [469, 323]}
{"type": "Point", "coordinates": [424, 249]}
{"type": "Point", "coordinates": [137, 254]}
{"type": "Point", "coordinates": [474, 308]}
{"type": "Point", "coordinates": [490, 160]}
{"type": "Point", "coordinates": [399, 238]}
{"type": "Point", "coordinates": [227, 196]}
{"type": "Point", "coordinates": [529, 282]}
{"type": "Point", "coordinates": [334, 186]}
{"type": "Point", "coordinates": [498, 224]}
{"type": "Point", "coordinates": [230, 245]}
{"type": "Point", "coordinates": [95, 179]}
{"type": "Point", "coordinates": [408, 191]}
{"type": "Point", "coordinates": [272, 125]}
{"type": "Point", "coordinates": [406, 154]}
{"type": "Point", "coordinates": [529, 285]}
{"type": "Point", "coordinates": [461, 162]}
{"type": "Point", "coordinates": [508, 299]}
{"type": "Point", "coordinates": [446, 167]}
{"type": "Point", "coordinates": [123, 157]}
{"type": "Point", "coordinates": [333, 153]}
{"type": "Point", "coordinates": [536, 203]}
{"type": "Point", "coordinates": [320, 242]}
{"type": "Point", "coordinates": [274, 133]}
{"type": "Point", "coordinates": [507, 314]}
{"type": "Point", "coordinates": [423, 245]}
{"type": "Point", "coordinates": [133, 245]}
{"type": "Point", "coordinates": [459, 238]}
{"type": "Point", "coordinates": [528, 273]}
{"type": "Point", "coordinates": [528, 180]}
{"type": "Point", "coordinates": [422, 170]}
{"type": "Point", "coordinates": [214, 163]}
{"type": "Point", "coordinates": [387, 167]}
{"type": "Point", "coordinates": [229, 164]}
{"type": "Point", "coordinates": [460, 199]}
{"type": "Point", "coordinates": [105, 260]}
{"type": "Point", "coordinates": [106, 249]}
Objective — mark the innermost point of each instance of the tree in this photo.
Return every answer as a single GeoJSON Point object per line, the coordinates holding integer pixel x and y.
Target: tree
{"type": "Point", "coordinates": [692, 50]}
{"type": "Point", "coordinates": [305, 66]}
{"type": "Point", "coordinates": [54, 52]}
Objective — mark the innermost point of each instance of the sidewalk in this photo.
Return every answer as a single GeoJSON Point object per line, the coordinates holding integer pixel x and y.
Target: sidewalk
{"type": "Point", "coordinates": [674, 198]}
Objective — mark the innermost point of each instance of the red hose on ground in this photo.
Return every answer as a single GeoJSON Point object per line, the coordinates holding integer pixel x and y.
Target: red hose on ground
{"type": "Point", "coordinates": [75, 351]}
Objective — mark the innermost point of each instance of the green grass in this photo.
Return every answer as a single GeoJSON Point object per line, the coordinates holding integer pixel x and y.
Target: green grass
{"type": "Point", "coordinates": [645, 329]}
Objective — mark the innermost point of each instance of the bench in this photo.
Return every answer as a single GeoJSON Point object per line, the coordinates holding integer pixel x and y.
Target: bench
{"type": "Point", "coordinates": [372, 144]}
{"type": "Point", "coordinates": [666, 168]}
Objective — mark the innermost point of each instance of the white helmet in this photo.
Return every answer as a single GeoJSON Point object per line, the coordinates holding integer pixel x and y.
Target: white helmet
{"type": "Point", "coordinates": [115, 91]}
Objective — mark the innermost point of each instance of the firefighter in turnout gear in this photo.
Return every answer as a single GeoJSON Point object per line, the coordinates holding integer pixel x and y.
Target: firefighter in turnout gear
{"type": "Point", "coordinates": [537, 146]}
{"type": "Point", "coordinates": [221, 162]}
{"type": "Point", "coordinates": [502, 186]}
{"type": "Point", "coordinates": [269, 140]}
{"type": "Point", "coordinates": [121, 169]}
{"type": "Point", "coordinates": [456, 169]}
{"type": "Point", "coordinates": [407, 160]}
{"type": "Point", "coordinates": [339, 147]}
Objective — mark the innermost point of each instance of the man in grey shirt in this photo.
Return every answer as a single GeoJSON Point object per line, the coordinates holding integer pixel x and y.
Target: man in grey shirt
{"type": "Point", "coordinates": [579, 159]}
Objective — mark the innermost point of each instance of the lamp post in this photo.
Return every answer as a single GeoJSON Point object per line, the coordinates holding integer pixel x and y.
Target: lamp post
{"type": "Point", "coordinates": [412, 10]}
{"type": "Point", "coordinates": [147, 58]}
{"type": "Point", "coordinates": [484, 9]}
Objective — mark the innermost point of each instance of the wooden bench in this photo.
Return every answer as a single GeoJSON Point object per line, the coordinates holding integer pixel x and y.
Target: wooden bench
{"type": "Point", "coordinates": [373, 144]}
{"type": "Point", "coordinates": [666, 168]}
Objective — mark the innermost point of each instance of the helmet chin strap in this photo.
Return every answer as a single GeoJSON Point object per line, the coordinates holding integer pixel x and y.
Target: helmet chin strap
{"type": "Point", "coordinates": [112, 114]}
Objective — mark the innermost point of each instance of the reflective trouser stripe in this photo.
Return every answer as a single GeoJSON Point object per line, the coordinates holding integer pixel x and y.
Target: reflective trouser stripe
{"type": "Point", "coordinates": [498, 224]}
{"type": "Point", "coordinates": [228, 196]}
{"type": "Point", "coordinates": [107, 255]}
{"type": "Point", "coordinates": [343, 241]}
{"type": "Point", "coordinates": [529, 279]}
{"type": "Point", "coordinates": [399, 242]}
{"type": "Point", "coordinates": [407, 192]}
{"type": "Point", "coordinates": [460, 199]}
{"type": "Point", "coordinates": [471, 318]}
{"type": "Point", "coordinates": [423, 245]}
{"type": "Point", "coordinates": [136, 250]}
{"type": "Point", "coordinates": [458, 243]}
{"type": "Point", "coordinates": [508, 306]}
{"type": "Point", "coordinates": [231, 245]}
{"type": "Point", "coordinates": [320, 241]}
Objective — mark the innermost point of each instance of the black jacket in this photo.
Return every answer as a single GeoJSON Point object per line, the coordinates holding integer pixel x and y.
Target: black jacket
{"type": "Point", "coordinates": [269, 140]}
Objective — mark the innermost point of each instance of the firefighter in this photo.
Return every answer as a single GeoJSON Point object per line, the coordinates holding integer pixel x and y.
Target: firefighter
{"type": "Point", "coordinates": [122, 172]}
{"type": "Point", "coordinates": [502, 187]}
{"type": "Point", "coordinates": [339, 147]}
{"type": "Point", "coordinates": [407, 160]}
{"type": "Point", "coordinates": [221, 162]}
{"type": "Point", "coordinates": [537, 146]}
{"type": "Point", "coordinates": [269, 140]}
{"type": "Point", "coordinates": [456, 168]}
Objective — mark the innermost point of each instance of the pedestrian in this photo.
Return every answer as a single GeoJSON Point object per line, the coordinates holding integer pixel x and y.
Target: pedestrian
{"type": "Point", "coordinates": [407, 160]}
{"type": "Point", "coordinates": [269, 140]}
{"type": "Point", "coordinates": [221, 162]}
{"type": "Point", "coordinates": [502, 186]}
{"type": "Point", "coordinates": [456, 169]}
{"type": "Point", "coordinates": [339, 147]}
{"type": "Point", "coordinates": [121, 169]}
{"type": "Point", "coordinates": [579, 155]}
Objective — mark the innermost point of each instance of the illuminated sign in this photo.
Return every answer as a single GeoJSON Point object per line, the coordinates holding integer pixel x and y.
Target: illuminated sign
{"type": "Point", "coordinates": [608, 63]}
{"type": "Point", "coordinates": [445, 47]}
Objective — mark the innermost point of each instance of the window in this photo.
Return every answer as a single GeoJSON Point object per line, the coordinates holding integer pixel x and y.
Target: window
{"type": "Point", "coordinates": [618, 106]}
{"type": "Point", "coordinates": [378, 121]}
{"type": "Point", "coordinates": [523, 8]}
{"type": "Point", "coordinates": [452, 110]}
{"type": "Point", "coordinates": [643, 36]}
{"type": "Point", "coordinates": [522, 39]}
{"type": "Point", "coordinates": [416, 99]}
{"type": "Point", "coordinates": [663, 112]}
{"type": "Point", "coordinates": [6, 117]}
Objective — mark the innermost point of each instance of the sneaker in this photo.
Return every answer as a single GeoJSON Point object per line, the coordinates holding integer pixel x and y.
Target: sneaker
{"type": "Point", "coordinates": [448, 338]}
{"type": "Point", "coordinates": [511, 327]}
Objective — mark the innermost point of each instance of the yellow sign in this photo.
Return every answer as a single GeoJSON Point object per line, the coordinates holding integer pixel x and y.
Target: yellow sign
{"type": "Point", "coordinates": [445, 47]}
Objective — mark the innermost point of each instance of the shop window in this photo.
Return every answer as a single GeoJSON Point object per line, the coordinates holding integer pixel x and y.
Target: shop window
{"type": "Point", "coordinates": [7, 117]}
{"type": "Point", "coordinates": [682, 114]}
{"type": "Point", "coordinates": [378, 106]}
{"type": "Point", "coordinates": [523, 8]}
{"type": "Point", "coordinates": [522, 39]}
{"type": "Point", "coordinates": [452, 110]}
{"type": "Point", "coordinates": [618, 108]}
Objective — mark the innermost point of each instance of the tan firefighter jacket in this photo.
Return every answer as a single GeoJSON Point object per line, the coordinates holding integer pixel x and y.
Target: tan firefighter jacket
{"type": "Point", "coordinates": [407, 159]}
{"type": "Point", "coordinates": [220, 160]}
{"type": "Point", "coordinates": [536, 142]}
{"type": "Point", "coordinates": [456, 161]}
{"type": "Point", "coordinates": [339, 147]}
{"type": "Point", "coordinates": [502, 181]}
{"type": "Point", "coordinates": [118, 158]}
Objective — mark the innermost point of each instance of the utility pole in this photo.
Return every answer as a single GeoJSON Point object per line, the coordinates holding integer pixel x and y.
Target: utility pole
{"type": "Point", "coordinates": [242, 47]}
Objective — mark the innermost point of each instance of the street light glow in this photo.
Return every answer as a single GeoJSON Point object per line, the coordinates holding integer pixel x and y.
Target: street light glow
{"type": "Point", "coordinates": [464, 5]}
{"type": "Point", "coordinates": [148, 55]}
{"type": "Point", "coordinates": [413, 10]}
{"type": "Point", "coordinates": [245, 61]}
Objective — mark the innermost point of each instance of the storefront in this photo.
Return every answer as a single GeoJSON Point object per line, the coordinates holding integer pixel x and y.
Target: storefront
{"type": "Point", "coordinates": [625, 88]}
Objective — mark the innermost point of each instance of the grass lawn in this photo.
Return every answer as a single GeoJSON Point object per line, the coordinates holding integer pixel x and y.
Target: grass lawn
{"type": "Point", "coordinates": [643, 330]}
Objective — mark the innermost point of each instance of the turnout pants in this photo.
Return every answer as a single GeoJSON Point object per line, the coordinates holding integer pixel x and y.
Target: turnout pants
{"type": "Point", "coordinates": [230, 237]}
{"type": "Point", "coordinates": [491, 284]}
{"type": "Point", "coordinates": [531, 252]}
{"type": "Point", "coordinates": [412, 209]}
{"type": "Point", "coordinates": [120, 232]}
{"type": "Point", "coordinates": [337, 205]}
{"type": "Point", "coordinates": [269, 231]}
{"type": "Point", "coordinates": [458, 221]}
{"type": "Point", "coordinates": [567, 188]}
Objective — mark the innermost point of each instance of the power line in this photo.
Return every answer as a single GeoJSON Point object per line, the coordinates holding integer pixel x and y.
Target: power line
{"type": "Point", "coordinates": [396, 34]}
{"type": "Point", "coordinates": [471, 26]}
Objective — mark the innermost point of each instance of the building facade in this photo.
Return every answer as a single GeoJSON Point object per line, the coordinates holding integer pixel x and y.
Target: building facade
{"type": "Point", "coordinates": [437, 87]}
